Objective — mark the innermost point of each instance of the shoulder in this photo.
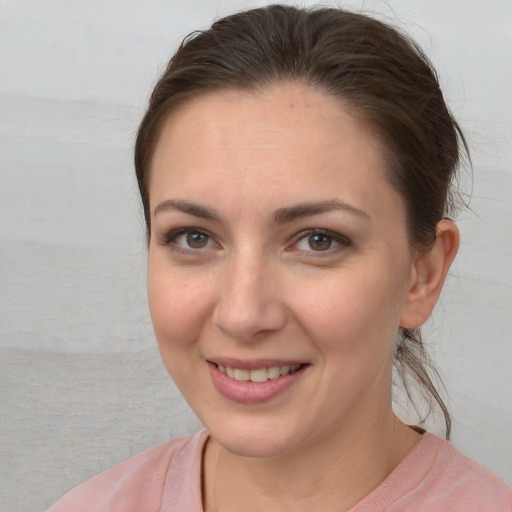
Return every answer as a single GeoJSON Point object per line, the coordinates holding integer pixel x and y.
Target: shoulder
{"type": "Point", "coordinates": [140, 482]}
{"type": "Point", "coordinates": [454, 475]}
{"type": "Point", "coordinates": [436, 476]}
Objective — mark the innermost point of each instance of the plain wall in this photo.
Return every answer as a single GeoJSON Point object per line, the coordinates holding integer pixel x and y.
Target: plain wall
{"type": "Point", "coordinates": [81, 384]}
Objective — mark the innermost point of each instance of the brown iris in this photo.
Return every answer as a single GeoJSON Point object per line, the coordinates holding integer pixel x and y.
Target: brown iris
{"type": "Point", "coordinates": [319, 242]}
{"type": "Point", "coordinates": [197, 240]}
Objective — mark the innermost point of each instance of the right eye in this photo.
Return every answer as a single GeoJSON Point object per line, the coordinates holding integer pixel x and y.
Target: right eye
{"type": "Point", "coordinates": [189, 239]}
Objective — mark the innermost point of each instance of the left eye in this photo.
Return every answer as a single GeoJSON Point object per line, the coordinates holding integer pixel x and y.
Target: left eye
{"type": "Point", "coordinates": [320, 242]}
{"type": "Point", "coordinates": [193, 239]}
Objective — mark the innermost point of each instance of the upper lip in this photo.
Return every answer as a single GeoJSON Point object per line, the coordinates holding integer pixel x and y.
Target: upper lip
{"type": "Point", "coordinates": [253, 364]}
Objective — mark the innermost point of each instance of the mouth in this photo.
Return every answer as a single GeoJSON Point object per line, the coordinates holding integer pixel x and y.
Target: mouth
{"type": "Point", "coordinates": [258, 375]}
{"type": "Point", "coordinates": [255, 382]}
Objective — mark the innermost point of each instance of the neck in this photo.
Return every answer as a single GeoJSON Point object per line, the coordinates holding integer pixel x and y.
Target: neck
{"type": "Point", "coordinates": [333, 473]}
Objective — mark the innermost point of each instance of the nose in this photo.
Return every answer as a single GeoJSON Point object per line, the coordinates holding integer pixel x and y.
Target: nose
{"type": "Point", "coordinates": [250, 304]}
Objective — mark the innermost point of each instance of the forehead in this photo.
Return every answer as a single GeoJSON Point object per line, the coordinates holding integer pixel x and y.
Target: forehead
{"type": "Point", "coordinates": [287, 141]}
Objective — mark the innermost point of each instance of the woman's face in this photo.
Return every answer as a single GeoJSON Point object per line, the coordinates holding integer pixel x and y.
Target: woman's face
{"type": "Point", "coordinates": [279, 267]}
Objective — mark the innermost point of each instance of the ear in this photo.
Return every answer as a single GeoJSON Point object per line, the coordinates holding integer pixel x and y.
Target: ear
{"type": "Point", "coordinates": [428, 273]}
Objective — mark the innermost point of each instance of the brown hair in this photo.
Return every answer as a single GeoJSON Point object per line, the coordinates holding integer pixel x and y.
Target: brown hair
{"type": "Point", "coordinates": [381, 74]}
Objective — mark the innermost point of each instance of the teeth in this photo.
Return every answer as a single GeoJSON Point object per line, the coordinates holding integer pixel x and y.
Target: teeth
{"type": "Point", "coordinates": [241, 374]}
{"type": "Point", "coordinates": [273, 372]}
{"type": "Point", "coordinates": [259, 374]}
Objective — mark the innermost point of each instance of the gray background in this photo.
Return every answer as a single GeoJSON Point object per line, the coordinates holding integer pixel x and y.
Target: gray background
{"type": "Point", "coordinates": [82, 387]}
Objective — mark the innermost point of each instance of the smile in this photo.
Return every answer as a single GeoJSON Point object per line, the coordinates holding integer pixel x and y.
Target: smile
{"type": "Point", "coordinates": [258, 374]}
{"type": "Point", "coordinates": [254, 382]}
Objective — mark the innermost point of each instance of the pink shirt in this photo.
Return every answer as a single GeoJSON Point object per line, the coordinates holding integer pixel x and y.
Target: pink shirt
{"type": "Point", "coordinates": [167, 478]}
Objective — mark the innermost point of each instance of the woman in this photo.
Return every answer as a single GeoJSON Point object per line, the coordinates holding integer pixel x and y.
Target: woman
{"type": "Point", "coordinates": [295, 169]}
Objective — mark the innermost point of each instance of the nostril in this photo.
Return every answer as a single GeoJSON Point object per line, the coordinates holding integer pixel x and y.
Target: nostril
{"type": "Point", "coordinates": [248, 320]}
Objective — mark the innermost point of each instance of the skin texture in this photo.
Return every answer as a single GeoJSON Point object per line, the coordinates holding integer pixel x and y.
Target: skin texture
{"type": "Point", "coordinates": [254, 287]}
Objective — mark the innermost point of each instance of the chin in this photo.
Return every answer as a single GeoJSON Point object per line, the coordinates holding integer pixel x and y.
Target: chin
{"type": "Point", "coordinates": [254, 449]}
{"type": "Point", "coordinates": [254, 441]}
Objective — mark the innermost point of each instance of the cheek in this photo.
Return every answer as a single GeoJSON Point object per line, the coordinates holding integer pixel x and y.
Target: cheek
{"type": "Point", "coordinates": [177, 306]}
{"type": "Point", "coordinates": [356, 314]}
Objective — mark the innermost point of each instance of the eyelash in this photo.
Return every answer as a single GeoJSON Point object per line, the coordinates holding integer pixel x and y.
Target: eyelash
{"type": "Point", "coordinates": [342, 241]}
{"type": "Point", "coordinates": [170, 238]}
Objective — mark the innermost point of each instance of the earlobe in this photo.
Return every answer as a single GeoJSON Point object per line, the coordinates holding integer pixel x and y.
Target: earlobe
{"type": "Point", "coordinates": [428, 275]}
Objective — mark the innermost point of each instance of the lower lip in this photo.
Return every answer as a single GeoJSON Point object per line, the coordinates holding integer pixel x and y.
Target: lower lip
{"type": "Point", "coordinates": [248, 392]}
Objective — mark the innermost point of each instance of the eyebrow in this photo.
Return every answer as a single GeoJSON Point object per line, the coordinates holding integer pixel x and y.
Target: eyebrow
{"type": "Point", "coordinates": [280, 216]}
{"type": "Point", "coordinates": [292, 213]}
{"type": "Point", "coordinates": [186, 207]}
